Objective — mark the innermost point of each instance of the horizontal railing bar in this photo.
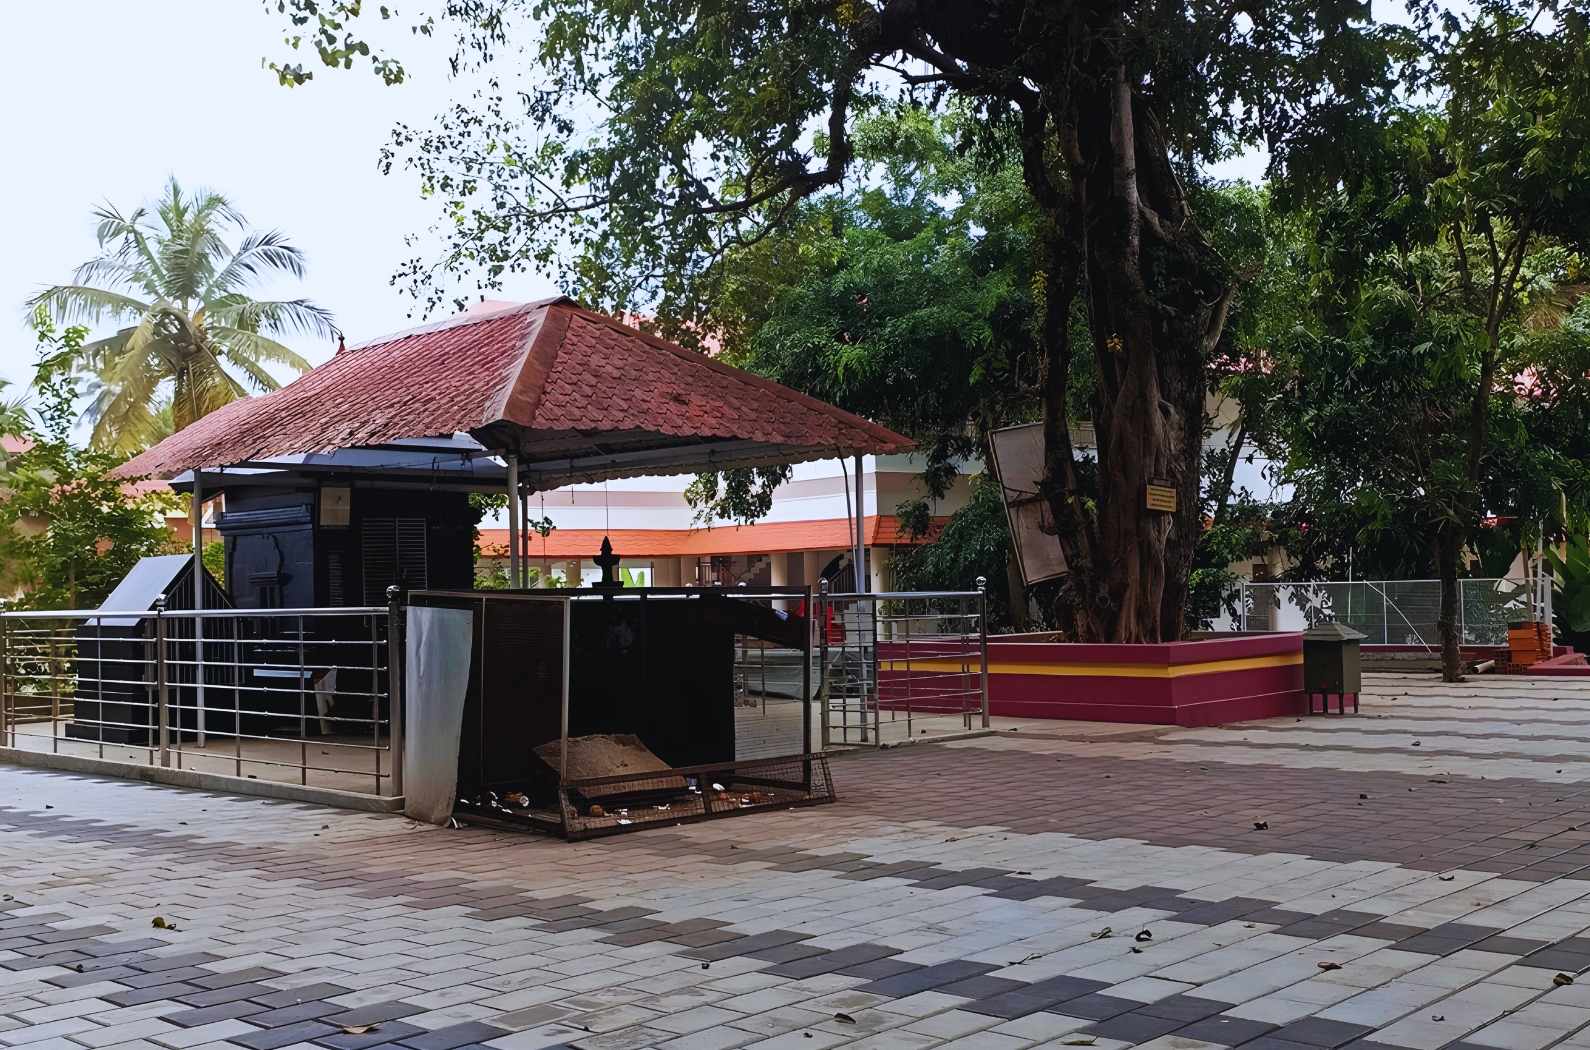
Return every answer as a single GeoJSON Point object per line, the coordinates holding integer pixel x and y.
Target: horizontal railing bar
{"type": "Point", "coordinates": [186, 614]}
{"type": "Point", "coordinates": [902, 595]}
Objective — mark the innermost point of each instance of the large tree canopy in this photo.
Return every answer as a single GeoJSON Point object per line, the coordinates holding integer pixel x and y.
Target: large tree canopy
{"type": "Point", "coordinates": [640, 142]}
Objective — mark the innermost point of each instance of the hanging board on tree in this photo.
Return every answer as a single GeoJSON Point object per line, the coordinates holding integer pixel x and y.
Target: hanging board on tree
{"type": "Point", "coordinates": [1018, 462]}
{"type": "Point", "coordinates": [1161, 494]}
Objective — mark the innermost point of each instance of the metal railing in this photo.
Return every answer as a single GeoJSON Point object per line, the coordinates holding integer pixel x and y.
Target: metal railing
{"type": "Point", "coordinates": [895, 664]}
{"type": "Point", "coordinates": [295, 695]}
{"type": "Point", "coordinates": [1393, 612]}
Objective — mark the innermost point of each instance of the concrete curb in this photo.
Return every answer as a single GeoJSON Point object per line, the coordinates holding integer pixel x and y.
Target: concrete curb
{"type": "Point", "coordinates": [187, 778]}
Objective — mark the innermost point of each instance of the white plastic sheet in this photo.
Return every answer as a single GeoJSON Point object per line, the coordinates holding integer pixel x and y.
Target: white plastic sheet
{"type": "Point", "coordinates": [434, 686]}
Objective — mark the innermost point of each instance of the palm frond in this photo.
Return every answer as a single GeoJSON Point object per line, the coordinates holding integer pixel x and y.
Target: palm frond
{"type": "Point", "coordinates": [132, 232]}
{"type": "Point", "coordinates": [112, 273]}
{"type": "Point", "coordinates": [256, 374]}
{"type": "Point", "coordinates": [193, 248]}
{"type": "Point", "coordinates": [92, 357]}
{"type": "Point", "coordinates": [122, 395]}
{"type": "Point", "coordinates": [296, 315]}
{"type": "Point", "coordinates": [201, 388]}
{"type": "Point", "coordinates": [244, 347]}
{"type": "Point", "coordinates": [72, 303]}
{"type": "Point", "coordinates": [259, 253]}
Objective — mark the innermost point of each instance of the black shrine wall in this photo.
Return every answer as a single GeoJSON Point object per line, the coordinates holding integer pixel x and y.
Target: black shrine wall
{"type": "Point", "coordinates": [282, 554]}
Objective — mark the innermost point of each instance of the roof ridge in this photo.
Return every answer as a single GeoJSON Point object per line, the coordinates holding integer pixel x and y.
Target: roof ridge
{"type": "Point", "coordinates": [458, 320]}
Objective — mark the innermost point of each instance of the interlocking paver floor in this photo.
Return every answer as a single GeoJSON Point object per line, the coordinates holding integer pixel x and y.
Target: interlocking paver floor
{"type": "Point", "coordinates": [1419, 882]}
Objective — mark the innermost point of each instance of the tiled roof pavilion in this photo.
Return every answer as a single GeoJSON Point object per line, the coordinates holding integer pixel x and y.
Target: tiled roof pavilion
{"type": "Point", "coordinates": [579, 396]}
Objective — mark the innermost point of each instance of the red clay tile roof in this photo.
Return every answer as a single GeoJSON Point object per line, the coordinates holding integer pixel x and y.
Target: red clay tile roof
{"type": "Point", "coordinates": [550, 376]}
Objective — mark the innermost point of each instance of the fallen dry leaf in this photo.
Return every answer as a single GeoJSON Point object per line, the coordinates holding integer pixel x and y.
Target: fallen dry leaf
{"type": "Point", "coordinates": [1330, 966]}
{"type": "Point", "coordinates": [359, 1029]}
{"type": "Point", "coordinates": [844, 1018]}
{"type": "Point", "coordinates": [1561, 979]}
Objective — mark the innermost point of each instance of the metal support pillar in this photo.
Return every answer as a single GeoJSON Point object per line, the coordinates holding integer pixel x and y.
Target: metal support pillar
{"type": "Point", "coordinates": [859, 555]}
{"type": "Point", "coordinates": [198, 600]}
{"type": "Point", "coordinates": [513, 521]}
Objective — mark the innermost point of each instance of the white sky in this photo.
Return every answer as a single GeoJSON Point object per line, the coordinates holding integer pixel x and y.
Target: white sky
{"type": "Point", "coordinates": [105, 98]}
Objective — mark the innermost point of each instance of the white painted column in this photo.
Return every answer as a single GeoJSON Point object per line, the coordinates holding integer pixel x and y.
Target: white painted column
{"type": "Point", "coordinates": [814, 562]}
{"type": "Point", "coordinates": [779, 564]}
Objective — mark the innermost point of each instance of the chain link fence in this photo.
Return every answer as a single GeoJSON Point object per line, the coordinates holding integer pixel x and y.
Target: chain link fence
{"type": "Point", "coordinates": [1392, 612]}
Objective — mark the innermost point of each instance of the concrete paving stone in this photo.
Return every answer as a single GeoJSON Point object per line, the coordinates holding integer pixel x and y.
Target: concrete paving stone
{"type": "Point", "coordinates": [926, 978]}
{"type": "Point", "coordinates": [217, 1031]}
{"type": "Point", "coordinates": [1177, 1042]}
{"type": "Point", "coordinates": [986, 1041]}
{"type": "Point", "coordinates": [1513, 1035]}
{"type": "Point", "coordinates": [200, 1016]}
{"type": "Point", "coordinates": [229, 994]}
{"type": "Point", "coordinates": [784, 1019]}
{"type": "Point", "coordinates": [695, 1020]}
{"type": "Point", "coordinates": [1226, 1030]}
{"type": "Point", "coordinates": [981, 987]}
{"type": "Point", "coordinates": [1316, 1031]}
{"type": "Point", "coordinates": [141, 1029]}
{"type": "Point", "coordinates": [898, 1039]}
{"type": "Point", "coordinates": [300, 994]}
{"type": "Point", "coordinates": [374, 1014]}
{"type": "Point", "coordinates": [291, 1015]}
{"type": "Point", "coordinates": [1096, 1006]}
{"type": "Point", "coordinates": [544, 1038]}
{"type": "Point", "coordinates": [286, 1035]}
{"type": "Point", "coordinates": [33, 1033]}
{"type": "Point", "coordinates": [951, 1024]}
{"type": "Point", "coordinates": [804, 1040]}
{"type": "Point", "coordinates": [1181, 1007]}
{"type": "Point", "coordinates": [453, 1036]}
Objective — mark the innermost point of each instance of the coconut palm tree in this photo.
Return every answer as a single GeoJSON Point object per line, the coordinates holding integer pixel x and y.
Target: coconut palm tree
{"type": "Point", "coordinates": [192, 339]}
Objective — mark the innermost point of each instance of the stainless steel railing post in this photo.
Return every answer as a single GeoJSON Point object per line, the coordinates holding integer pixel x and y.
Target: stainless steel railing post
{"type": "Point", "coordinates": [982, 639]}
{"type": "Point", "coordinates": [394, 683]}
{"type": "Point", "coordinates": [160, 680]}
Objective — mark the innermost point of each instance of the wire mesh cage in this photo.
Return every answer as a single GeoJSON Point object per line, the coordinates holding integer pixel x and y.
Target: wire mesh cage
{"type": "Point", "coordinates": [665, 686]}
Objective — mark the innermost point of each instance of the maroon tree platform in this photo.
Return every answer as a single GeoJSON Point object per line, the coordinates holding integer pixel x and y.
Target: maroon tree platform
{"type": "Point", "coordinates": [1201, 683]}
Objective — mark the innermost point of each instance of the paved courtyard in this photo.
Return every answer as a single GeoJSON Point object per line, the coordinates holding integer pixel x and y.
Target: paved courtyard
{"type": "Point", "coordinates": [1411, 877]}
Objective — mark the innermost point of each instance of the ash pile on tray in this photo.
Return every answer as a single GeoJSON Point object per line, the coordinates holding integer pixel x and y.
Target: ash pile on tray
{"type": "Point", "coordinates": [603, 755]}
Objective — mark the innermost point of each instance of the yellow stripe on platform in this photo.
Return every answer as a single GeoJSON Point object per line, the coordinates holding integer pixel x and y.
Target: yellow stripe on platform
{"type": "Point", "coordinates": [1100, 670]}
